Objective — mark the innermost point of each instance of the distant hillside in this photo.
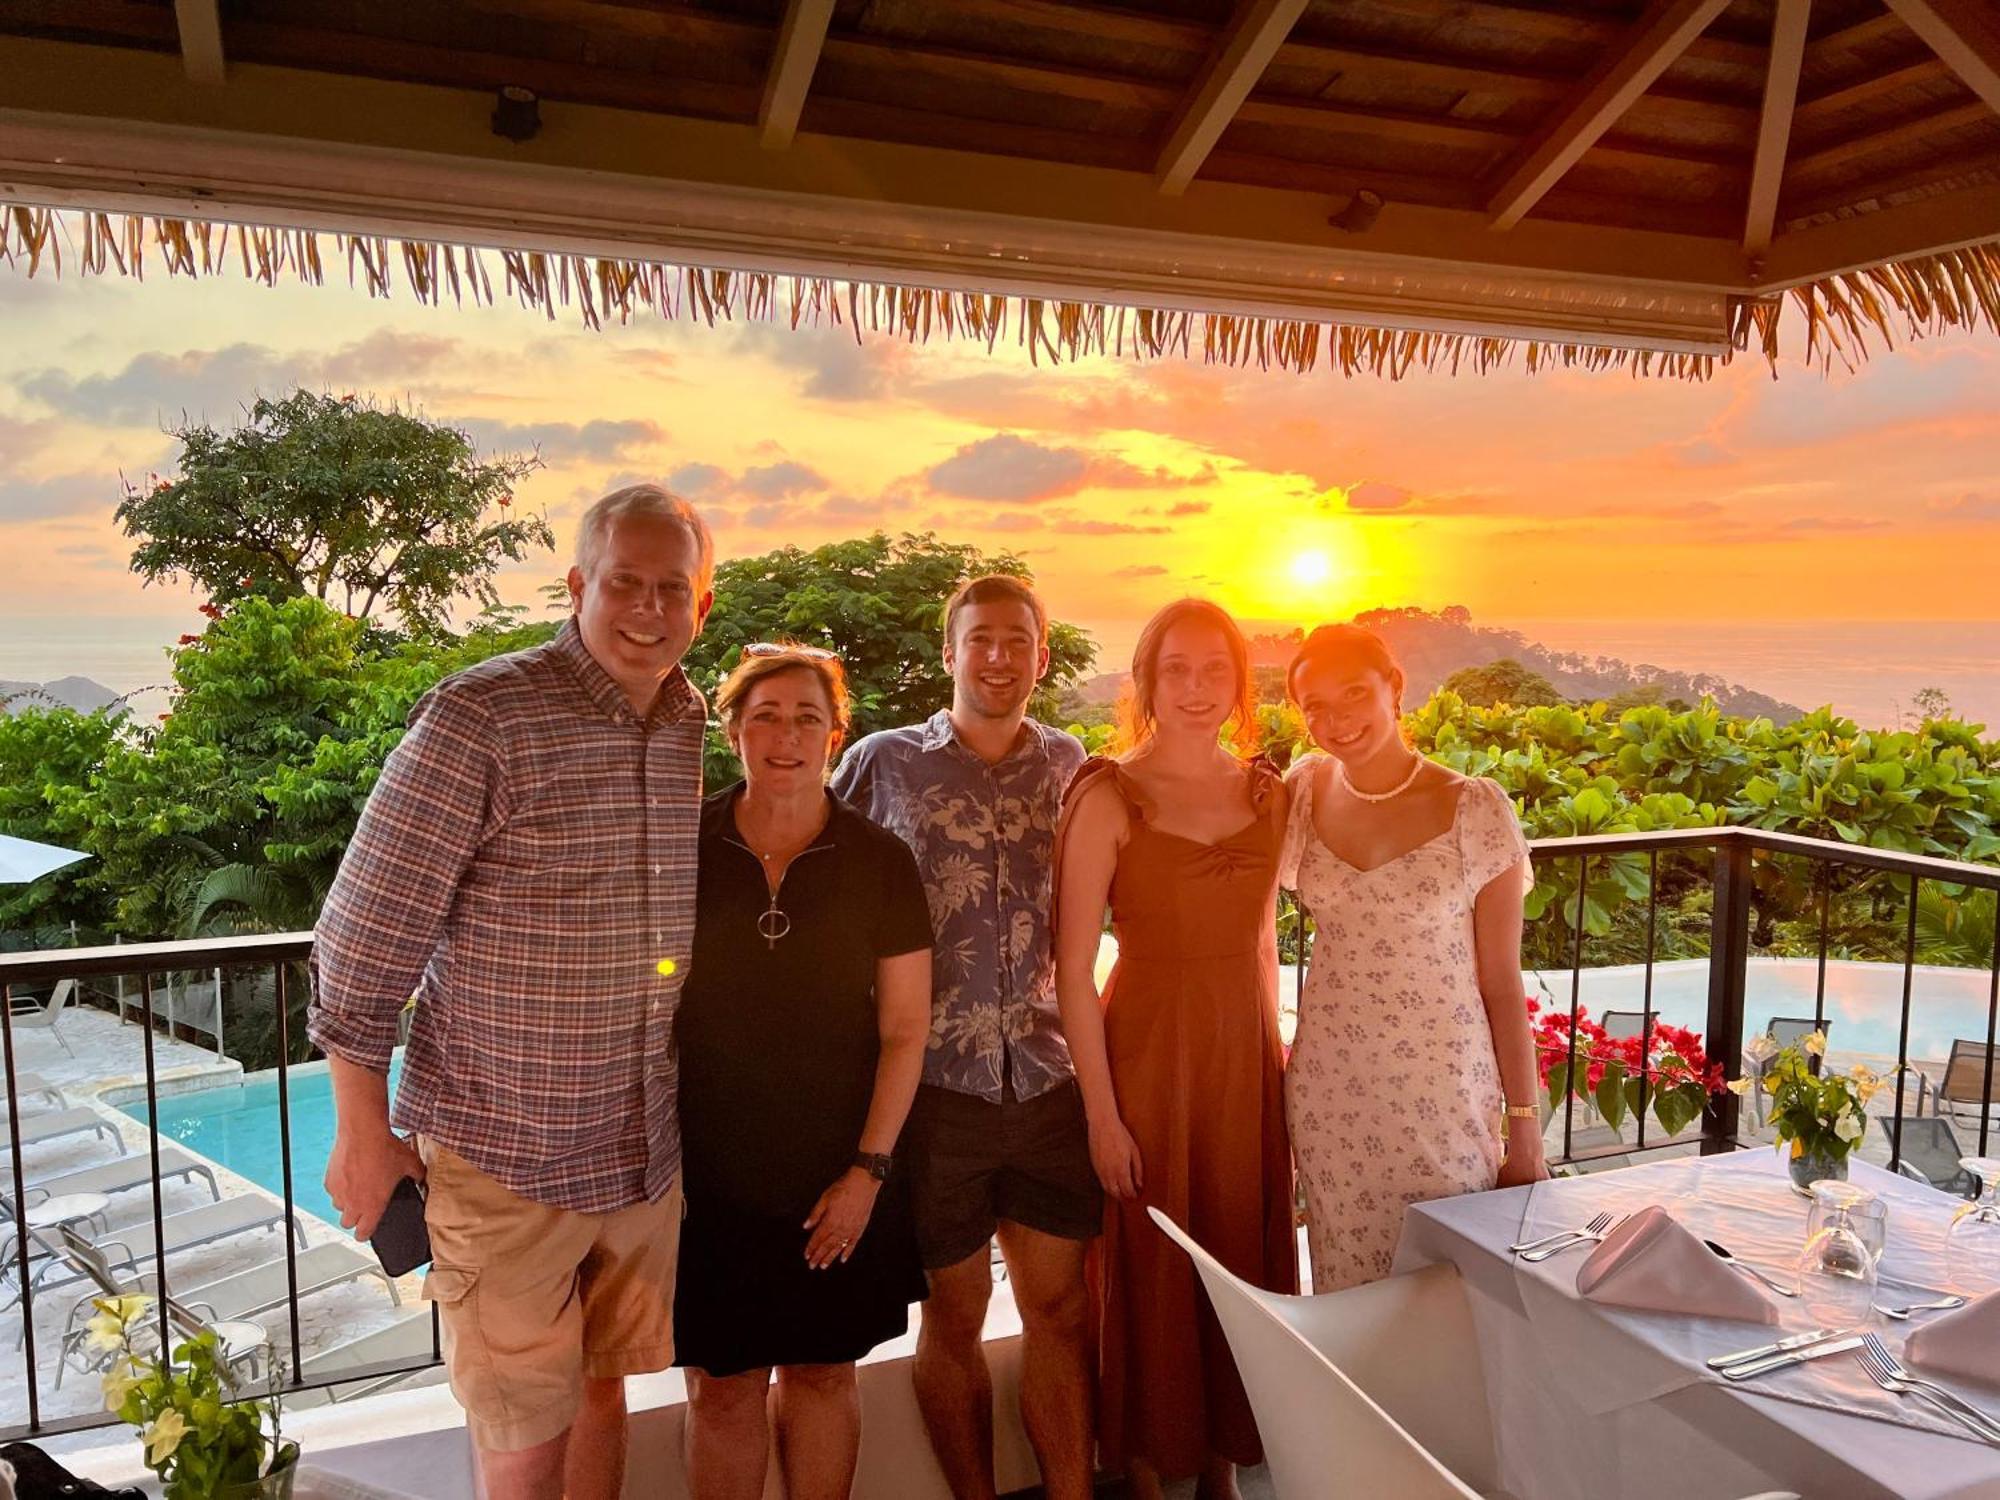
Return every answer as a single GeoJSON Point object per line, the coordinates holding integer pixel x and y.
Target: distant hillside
{"type": "Point", "coordinates": [1431, 646]}
{"type": "Point", "coordinates": [79, 693]}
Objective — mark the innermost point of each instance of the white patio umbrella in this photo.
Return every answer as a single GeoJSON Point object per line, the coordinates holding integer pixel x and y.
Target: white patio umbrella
{"type": "Point", "coordinates": [23, 860]}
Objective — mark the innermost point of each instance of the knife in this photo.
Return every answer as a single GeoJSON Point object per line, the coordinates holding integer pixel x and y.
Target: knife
{"type": "Point", "coordinates": [1796, 1357]}
{"type": "Point", "coordinates": [1783, 1346]}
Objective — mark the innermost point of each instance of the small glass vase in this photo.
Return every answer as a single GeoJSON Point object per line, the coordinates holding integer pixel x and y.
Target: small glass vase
{"type": "Point", "coordinates": [276, 1485]}
{"type": "Point", "coordinates": [1815, 1166]}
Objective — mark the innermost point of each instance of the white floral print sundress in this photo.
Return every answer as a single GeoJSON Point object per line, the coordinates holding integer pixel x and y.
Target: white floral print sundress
{"type": "Point", "coordinates": [1392, 1094]}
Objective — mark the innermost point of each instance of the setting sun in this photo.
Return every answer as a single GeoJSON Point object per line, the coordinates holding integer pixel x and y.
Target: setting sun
{"type": "Point", "coordinates": [1312, 568]}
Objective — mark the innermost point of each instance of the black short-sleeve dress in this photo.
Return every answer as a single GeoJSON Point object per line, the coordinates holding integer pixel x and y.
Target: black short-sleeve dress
{"type": "Point", "coordinates": [778, 1045]}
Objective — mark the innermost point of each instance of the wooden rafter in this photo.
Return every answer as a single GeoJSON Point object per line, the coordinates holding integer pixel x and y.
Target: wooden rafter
{"type": "Point", "coordinates": [800, 39]}
{"type": "Point", "coordinates": [1965, 33]}
{"type": "Point", "coordinates": [1774, 131]}
{"type": "Point", "coordinates": [200, 24]}
{"type": "Point", "coordinates": [1225, 81]}
{"type": "Point", "coordinates": [1923, 127]}
{"type": "Point", "coordinates": [1833, 105]}
{"type": "Point", "coordinates": [1662, 35]}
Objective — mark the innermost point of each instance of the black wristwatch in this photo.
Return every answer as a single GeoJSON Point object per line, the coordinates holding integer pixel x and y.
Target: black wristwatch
{"type": "Point", "coordinates": [874, 1163]}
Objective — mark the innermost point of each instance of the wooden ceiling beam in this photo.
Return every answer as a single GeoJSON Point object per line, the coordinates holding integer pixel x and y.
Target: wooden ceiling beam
{"type": "Point", "coordinates": [1862, 34]}
{"type": "Point", "coordinates": [800, 38]}
{"type": "Point", "coordinates": [200, 26]}
{"type": "Point", "coordinates": [1774, 131]}
{"type": "Point", "coordinates": [1858, 147]}
{"type": "Point", "coordinates": [1639, 58]}
{"type": "Point", "coordinates": [1834, 104]}
{"type": "Point", "coordinates": [1948, 173]}
{"type": "Point", "coordinates": [1567, 25]}
{"type": "Point", "coordinates": [1225, 81]}
{"type": "Point", "coordinates": [1927, 226]}
{"type": "Point", "coordinates": [1965, 34]}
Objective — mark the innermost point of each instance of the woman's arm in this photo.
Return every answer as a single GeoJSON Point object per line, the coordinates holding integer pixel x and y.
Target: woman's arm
{"type": "Point", "coordinates": [903, 1020]}
{"type": "Point", "coordinates": [1092, 833]}
{"type": "Point", "coordinates": [1496, 937]}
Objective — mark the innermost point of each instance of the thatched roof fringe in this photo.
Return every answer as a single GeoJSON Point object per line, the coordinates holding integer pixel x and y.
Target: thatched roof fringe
{"type": "Point", "coordinates": [1843, 317]}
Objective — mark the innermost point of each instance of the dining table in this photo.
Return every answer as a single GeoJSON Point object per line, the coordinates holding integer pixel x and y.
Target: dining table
{"type": "Point", "coordinates": [1591, 1401]}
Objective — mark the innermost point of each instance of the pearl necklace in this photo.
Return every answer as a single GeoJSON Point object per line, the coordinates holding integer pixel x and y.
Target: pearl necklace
{"type": "Point", "coordinates": [1416, 770]}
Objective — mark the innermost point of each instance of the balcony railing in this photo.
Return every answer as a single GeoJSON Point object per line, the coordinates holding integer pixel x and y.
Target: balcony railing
{"type": "Point", "coordinates": [1732, 856]}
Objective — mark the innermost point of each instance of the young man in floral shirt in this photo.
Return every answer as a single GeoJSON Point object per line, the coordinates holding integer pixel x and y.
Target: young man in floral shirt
{"type": "Point", "coordinates": [996, 1143]}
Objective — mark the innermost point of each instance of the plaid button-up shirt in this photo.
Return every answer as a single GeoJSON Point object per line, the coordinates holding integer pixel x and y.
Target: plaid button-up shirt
{"type": "Point", "coordinates": [523, 867]}
{"type": "Point", "coordinates": [984, 837]}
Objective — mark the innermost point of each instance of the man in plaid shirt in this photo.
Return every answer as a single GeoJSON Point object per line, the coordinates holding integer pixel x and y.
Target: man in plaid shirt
{"type": "Point", "coordinates": [526, 868]}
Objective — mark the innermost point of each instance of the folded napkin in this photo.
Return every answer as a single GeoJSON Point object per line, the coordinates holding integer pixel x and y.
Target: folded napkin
{"type": "Point", "coordinates": [1965, 1342]}
{"type": "Point", "coordinates": [1650, 1261]}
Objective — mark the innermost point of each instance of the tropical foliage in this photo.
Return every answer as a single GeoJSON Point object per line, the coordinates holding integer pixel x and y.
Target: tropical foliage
{"type": "Point", "coordinates": [1931, 790]}
{"type": "Point", "coordinates": [336, 498]}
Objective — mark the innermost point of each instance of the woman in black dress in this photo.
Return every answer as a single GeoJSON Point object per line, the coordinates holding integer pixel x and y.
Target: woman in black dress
{"type": "Point", "coordinates": [801, 1031]}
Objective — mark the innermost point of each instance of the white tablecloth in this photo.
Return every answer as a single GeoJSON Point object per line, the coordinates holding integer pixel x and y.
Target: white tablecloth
{"type": "Point", "coordinates": [1592, 1402]}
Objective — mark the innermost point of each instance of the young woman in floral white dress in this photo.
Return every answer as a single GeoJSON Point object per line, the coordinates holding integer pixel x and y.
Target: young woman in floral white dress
{"type": "Point", "coordinates": [1413, 1044]}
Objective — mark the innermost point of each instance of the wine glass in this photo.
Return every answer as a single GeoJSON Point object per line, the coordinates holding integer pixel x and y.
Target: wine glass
{"type": "Point", "coordinates": [1972, 1243]}
{"type": "Point", "coordinates": [1837, 1268]}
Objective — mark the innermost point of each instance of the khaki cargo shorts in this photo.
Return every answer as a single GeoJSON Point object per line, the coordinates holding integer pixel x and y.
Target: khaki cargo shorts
{"type": "Point", "coordinates": [534, 1300]}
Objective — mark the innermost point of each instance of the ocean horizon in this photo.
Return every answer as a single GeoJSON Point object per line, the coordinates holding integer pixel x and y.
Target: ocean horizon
{"type": "Point", "coordinates": [1868, 670]}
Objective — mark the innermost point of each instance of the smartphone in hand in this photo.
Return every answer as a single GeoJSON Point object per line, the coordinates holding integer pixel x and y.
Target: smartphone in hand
{"type": "Point", "coordinates": [400, 1241]}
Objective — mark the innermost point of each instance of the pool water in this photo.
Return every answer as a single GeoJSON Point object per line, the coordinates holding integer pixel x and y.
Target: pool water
{"type": "Point", "coordinates": [238, 1127]}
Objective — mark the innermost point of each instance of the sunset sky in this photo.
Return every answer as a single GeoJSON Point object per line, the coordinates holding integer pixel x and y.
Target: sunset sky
{"type": "Point", "coordinates": [1866, 496]}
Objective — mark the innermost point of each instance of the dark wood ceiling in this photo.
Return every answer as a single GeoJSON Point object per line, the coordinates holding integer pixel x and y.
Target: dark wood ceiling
{"type": "Point", "coordinates": [1421, 101]}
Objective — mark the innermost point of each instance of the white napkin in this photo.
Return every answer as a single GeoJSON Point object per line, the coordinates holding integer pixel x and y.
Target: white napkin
{"type": "Point", "coordinates": [1650, 1261]}
{"type": "Point", "coordinates": [1965, 1342]}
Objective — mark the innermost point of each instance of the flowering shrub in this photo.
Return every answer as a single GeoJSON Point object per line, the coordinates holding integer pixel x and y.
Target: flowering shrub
{"type": "Point", "coordinates": [1667, 1071]}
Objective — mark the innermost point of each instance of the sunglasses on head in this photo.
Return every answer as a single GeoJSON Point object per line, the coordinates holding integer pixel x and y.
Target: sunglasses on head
{"type": "Point", "coordinates": [780, 648]}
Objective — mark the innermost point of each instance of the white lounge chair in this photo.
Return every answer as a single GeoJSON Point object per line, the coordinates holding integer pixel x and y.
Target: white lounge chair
{"type": "Point", "coordinates": [37, 1129]}
{"type": "Point", "coordinates": [245, 1345]}
{"type": "Point", "coordinates": [245, 1294]}
{"type": "Point", "coordinates": [407, 1339]}
{"type": "Point", "coordinates": [118, 1176]}
{"type": "Point", "coordinates": [36, 1094]}
{"type": "Point", "coordinates": [26, 1013]}
{"type": "Point", "coordinates": [129, 1244]}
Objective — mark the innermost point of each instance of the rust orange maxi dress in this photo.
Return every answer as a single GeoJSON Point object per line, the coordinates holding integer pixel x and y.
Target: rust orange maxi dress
{"type": "Point", "coordinates": [1191, 1027]}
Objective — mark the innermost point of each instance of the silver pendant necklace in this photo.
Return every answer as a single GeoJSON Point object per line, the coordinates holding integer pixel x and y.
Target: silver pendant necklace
{"type": "Point", "coordinates": [1416, 770]}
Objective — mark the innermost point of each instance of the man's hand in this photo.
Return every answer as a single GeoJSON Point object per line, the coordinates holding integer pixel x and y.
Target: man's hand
{"type": "Point", "coordinates": [363, 1171]}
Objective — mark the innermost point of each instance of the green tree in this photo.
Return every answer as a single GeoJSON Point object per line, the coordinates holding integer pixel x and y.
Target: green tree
{"type": "Point", "coordinates": [879, 603]}
{"type": "Point", "coordinates": [1502, 681]}
{"type": "Point", "coordinates": [361, 508]}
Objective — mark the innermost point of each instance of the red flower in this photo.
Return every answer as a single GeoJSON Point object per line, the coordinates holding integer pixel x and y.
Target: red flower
{"type": "Point", "coordinates": [165, 717]}
{"type": "Point", "coordinates": [189, 640]}
{"type": "Point", "coordinates": [213, 611]}
{"type": "Point", "coordinates": [506, 500]}
{"type": "Point", "coordinates": [246, 583]}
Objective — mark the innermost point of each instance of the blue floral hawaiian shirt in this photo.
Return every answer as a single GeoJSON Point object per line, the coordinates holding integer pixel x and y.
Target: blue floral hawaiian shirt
{"type": "Point", "coordinates": [984, 837]}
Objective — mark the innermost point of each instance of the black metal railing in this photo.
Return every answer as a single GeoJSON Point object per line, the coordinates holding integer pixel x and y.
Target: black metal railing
{"type": "Point", "coordinates": [1733, 855]}
{"type": "Point", "coordinates": [146, 962]}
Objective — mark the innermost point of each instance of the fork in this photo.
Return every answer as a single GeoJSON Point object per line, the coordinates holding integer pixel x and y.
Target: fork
{"type": "Point", "coordinates": [1570, 1244]}
{"type": "Point", "coordinates": [1901, 1314]}
{"type": "Point", "coordinates": [1888, 1372]}
{"type": "Point", "coordinates": [1598, 1224]}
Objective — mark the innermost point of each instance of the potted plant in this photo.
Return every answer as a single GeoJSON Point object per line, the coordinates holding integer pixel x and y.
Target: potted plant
{"type": "Point", "coordinates": [203, 1437]}
{"type": "Point", "coordinates": [1819, 1117]}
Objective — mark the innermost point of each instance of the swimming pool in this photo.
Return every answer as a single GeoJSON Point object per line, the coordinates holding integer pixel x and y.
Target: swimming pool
{"type": "Point", "coordinates": [238, 1127]}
